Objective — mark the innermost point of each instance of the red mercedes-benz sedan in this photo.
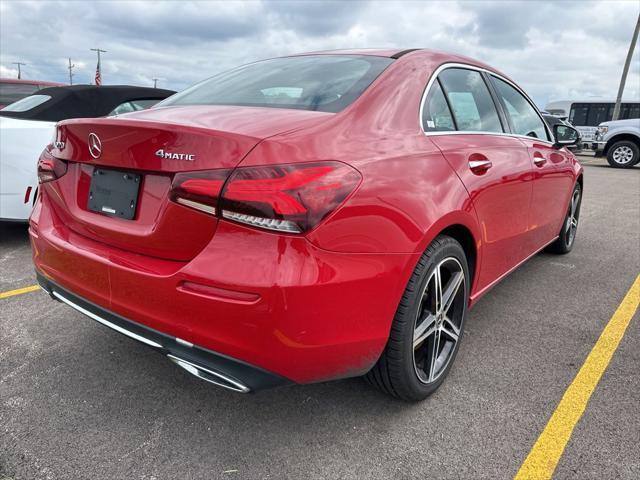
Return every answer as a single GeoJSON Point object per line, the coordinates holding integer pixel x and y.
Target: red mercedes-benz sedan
{"type": "Point", "coordinates": [306, 218]}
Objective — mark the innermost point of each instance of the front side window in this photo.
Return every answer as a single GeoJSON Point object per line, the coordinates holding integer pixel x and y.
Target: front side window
{"type": "Point", "coordinates": [524, 117]}
{"type": "Point", "coordinates": [27, 103]}
{"type": "Point", "coordinates": [326, 83]}
{"type": "Point", "coordinates": [436, 116]}
{"type": "Point", "coordinates": [470, 100]}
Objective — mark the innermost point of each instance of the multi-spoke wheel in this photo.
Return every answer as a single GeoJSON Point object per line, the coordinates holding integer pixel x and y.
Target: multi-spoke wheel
{"type": "Point", "coordinates": [623, 154]}
{"type": "Point", "coordinates": [427, 328]}
{"type": "Point", "coordinates": [567, 236]}
{"type": "Point", "coordinates": [571, 224]}
{"type": "Point", "coordinates": [438, 320]}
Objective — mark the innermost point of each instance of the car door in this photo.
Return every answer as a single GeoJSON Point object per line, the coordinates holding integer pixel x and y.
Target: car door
{"type": "Point", "coordinates": [552, 168]}
{"type": "Point", "coordinates": [495, 168]}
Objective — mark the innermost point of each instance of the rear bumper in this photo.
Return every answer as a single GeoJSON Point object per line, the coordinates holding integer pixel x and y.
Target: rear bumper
{"type": "Point", "coordinates": [273, 302]}
{"type": "Point", "coordinates": [210, 366]}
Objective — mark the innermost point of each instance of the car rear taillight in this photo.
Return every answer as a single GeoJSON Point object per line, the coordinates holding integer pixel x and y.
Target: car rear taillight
{"type": "Point", "coordinates": [50, 168]}
{"type": "Point", "coordinates": [199, 190]}
{"type": "Point", "coordinates": [291, 198]}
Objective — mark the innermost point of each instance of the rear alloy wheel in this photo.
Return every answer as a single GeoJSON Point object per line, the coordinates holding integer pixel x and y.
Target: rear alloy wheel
{"type": "Point", "coordinates": [623, 154]}
{"type": "Point", "coordinates": [435, 334]}
{"type": "Point", "coordinates": [427, 328]}
{"type": "Point", "coordinates": [567, 237]}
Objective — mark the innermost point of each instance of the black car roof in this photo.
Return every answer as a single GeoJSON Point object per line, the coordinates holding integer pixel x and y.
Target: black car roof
{"type": "Point", "coordinates": [85, 101]}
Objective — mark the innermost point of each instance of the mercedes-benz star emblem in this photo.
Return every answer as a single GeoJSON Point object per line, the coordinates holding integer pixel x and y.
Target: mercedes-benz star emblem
{"type": "Point", "coordinates": [95, 146]}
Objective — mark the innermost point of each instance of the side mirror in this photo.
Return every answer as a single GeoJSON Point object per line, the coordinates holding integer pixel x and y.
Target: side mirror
{"type": "Point", "coordinates": [565, 135]}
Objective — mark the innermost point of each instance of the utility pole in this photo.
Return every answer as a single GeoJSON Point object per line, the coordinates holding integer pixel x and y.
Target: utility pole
{"type": "Point", "coordinates": [70, 67]}
{"type": "Point", "coordinates": [623, 80]}
{"type": "Point", "coordinates": [98, 77]}
{"type": "Point", "coordinates": [155, 82]}
{"type": "Point", "coordinates": [19, 71]}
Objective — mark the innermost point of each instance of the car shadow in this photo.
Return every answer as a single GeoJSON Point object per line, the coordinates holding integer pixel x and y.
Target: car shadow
{"type": "Point", "coordinates": [13, 234]}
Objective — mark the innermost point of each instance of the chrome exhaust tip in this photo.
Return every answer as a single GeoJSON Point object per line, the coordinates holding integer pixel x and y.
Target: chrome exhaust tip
{"type": "Point", "coordinates": [217, 378]}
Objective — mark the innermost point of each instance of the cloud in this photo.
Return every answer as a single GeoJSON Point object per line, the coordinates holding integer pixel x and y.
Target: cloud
{"type": "Point", "coordinates": [315, 18]}
{"type": "Point", "coordinates": [553, 49]}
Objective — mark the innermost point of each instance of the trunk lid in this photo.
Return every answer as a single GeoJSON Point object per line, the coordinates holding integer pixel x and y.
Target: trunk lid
{"type": "Point", "coordinates": [156, 144]}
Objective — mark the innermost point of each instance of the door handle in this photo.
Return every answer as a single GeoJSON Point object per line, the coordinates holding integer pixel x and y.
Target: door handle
{"type": "Point", "coordinates": [480, 166]}
{"type": "Point", "coordinates": [539, 159]}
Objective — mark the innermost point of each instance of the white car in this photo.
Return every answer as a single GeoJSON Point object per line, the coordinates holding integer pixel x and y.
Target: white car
{"type": "Point", "coordinates": [28, 125]}
{"type": "Point", "coordinates": [21, 142]}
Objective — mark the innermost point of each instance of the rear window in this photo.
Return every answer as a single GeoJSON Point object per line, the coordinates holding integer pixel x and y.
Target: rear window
{"type": "Point", "coordinates": [11, 92]}
{"type": "Point", "coordinates": [326, 83]}
{"type": "Point", "coordinates": [27, 103]}
{"type": "Point", "coordinates": [132, 106]}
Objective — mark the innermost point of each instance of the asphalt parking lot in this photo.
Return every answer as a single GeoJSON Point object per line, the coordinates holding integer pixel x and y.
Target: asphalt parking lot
{"type": "Point", "coordinates": [80, 401]}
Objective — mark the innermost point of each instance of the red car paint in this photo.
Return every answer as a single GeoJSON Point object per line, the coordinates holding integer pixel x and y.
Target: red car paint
{"type": "Point", "coordinates": [311, 306]}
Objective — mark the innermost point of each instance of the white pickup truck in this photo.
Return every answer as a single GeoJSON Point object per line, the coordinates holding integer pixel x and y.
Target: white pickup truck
{"type": "Point", "coordinates": [619, 141]}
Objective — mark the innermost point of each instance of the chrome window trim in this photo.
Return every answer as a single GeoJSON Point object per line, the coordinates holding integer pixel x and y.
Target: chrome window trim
{"type": "Point", "coordinates": [445, 66]}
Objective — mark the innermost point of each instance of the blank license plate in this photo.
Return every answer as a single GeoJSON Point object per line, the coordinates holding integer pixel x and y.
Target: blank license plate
{"type": "Point", "coordinates": [114, 193]}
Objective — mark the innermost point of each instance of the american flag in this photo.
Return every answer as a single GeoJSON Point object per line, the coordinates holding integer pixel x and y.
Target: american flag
{"type": "Point", "coordinates": [98, 75]}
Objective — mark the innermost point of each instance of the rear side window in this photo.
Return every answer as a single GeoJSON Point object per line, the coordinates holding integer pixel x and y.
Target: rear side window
{"type": "Point", "coordinates": [27, 103]}
{"type": "Point", "coordinates": [436, 116]}
{"type": "Point", "coordinates": [523, 115]}
{"type": "Point", "coordinates": [470, 100]}
{"type": "Point", "coordinates": [326, 83]}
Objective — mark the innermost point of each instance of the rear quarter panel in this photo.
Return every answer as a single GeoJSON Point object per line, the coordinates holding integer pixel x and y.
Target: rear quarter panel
{"type": "Point", "coordinates": [408, 194]}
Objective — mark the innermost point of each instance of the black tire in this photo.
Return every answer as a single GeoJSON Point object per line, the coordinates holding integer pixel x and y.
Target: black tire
{"type": "Point", "coordinates": [401, 370]}
{"type": "Point", "coordinates": [623, 154]}
{"type": "Point", "coordinates": [567, 237]}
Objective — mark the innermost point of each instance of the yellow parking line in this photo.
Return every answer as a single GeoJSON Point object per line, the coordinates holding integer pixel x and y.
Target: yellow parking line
{"type": "Point", "coordinates": [19, 291]}
{"type": "Point", "coordinates": [546, 452]}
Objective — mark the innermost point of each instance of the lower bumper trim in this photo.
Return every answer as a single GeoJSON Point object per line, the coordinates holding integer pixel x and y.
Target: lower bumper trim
{"type": "Point", "coordinates": [101, 320]}
{"type": "Point", "coordinates": [210, 366]}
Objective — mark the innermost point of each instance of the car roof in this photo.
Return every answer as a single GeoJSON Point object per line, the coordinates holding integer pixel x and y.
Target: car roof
{"type": "Point", "coordinates": [76, 101]}
{"type": "Point", "coordinates": [377, 52]}
{"type": "Point", "coordinates": [433, 57]}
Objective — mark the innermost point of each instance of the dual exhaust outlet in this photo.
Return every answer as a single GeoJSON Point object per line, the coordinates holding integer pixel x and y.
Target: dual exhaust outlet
{"type": "Point", "coordinates": [210, 376]}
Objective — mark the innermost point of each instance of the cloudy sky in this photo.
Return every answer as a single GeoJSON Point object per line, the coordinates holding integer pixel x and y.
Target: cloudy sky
{"type": "Point", "coordinates": [554, 49]}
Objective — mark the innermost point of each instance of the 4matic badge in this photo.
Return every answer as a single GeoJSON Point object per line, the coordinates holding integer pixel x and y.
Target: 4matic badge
{"type": "Point", "coordinates": [189, 157]}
